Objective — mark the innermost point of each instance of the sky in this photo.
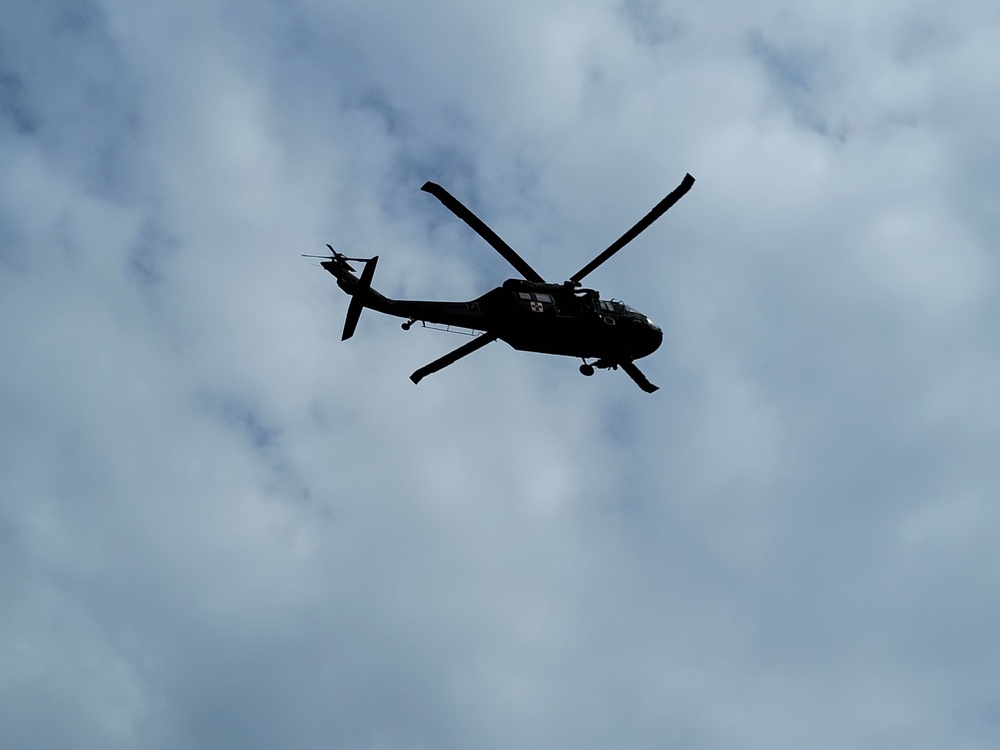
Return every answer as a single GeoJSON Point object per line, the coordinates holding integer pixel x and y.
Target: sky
{"type": "Point", "coordinates": [220, 526]}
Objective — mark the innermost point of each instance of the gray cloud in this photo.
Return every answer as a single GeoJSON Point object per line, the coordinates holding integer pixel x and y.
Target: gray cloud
{"type": "Point", "coordinates": [219, 525]}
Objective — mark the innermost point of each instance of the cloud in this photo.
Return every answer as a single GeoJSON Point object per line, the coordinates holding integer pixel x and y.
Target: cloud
{"type": "Point", "coordinates": [221, 525]}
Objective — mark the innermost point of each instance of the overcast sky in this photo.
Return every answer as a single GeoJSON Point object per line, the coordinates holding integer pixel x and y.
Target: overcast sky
{"type": "Point", "coordinates": [221, 527]}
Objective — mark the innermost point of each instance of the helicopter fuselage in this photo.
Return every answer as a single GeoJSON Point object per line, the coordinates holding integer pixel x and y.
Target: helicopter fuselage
{"type": "Point", "coordinates": [530, 316]}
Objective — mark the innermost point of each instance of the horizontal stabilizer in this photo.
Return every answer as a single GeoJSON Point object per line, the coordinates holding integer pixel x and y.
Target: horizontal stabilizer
{"type": "Point", "coordinates": [358, 298]}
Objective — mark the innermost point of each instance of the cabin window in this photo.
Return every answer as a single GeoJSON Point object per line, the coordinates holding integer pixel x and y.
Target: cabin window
{"type": "Point", "coordinates": [542, 297]}
{"type": "Point", "coordinates": [524, 295]}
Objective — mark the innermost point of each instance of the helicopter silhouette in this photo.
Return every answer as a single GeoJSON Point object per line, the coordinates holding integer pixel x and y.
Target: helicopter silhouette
{"type": "Point", "coordinates": [529, 314]}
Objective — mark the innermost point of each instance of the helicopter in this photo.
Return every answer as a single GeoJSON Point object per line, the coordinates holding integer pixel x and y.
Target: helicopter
{"type": "Point", "coordinates": [529, 314]}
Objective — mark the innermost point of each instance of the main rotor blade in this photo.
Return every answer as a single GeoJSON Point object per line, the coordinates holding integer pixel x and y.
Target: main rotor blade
{"type": "Point", "coordinates": [439, 364]}
{"type": "Point", "coordinates": [480, 228]}
{"type": "Point", "coordinates": [636, 374]}
{"type": "Point", "coordinates": [658, 210]}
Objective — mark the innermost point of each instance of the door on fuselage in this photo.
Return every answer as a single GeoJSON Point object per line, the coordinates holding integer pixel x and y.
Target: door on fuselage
{"type": "Point", "coordinates": [535, 302]}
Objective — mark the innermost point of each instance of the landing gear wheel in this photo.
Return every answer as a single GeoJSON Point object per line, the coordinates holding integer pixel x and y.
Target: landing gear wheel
{"type": "Point", "coordinates": [586, 369]}
{"type": "Point", "coordinates": [406, 326]}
